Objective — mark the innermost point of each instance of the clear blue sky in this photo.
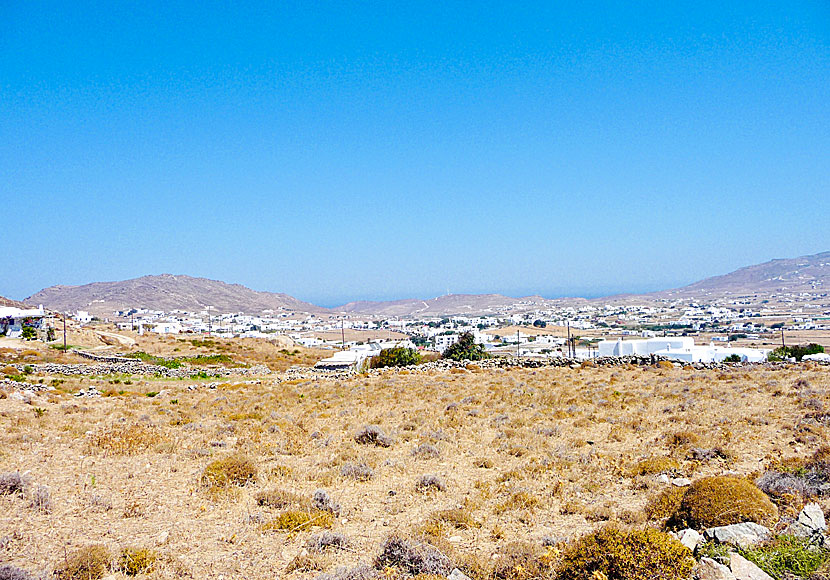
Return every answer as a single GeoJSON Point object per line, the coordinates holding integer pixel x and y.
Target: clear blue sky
{"type": "Point", "coordinates": [340, 151]}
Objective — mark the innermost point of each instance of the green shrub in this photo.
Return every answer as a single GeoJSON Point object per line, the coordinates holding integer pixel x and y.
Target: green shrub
{"type": "Point", "coordinates": [300, 520]}
{"type": "Point", "coordinates": [28, 333]}
{"type": "Point", "coordinates": [797, 352]}
{"type": "Point", "coordinates": [466, 349]}
{"type": "Point", "coordinates": [787, 554]}
{"type": "Point", "coordinates": [395, 357]}
{"type": "Point", "coordinates": [720, 501]}
{"type": "Point", "coordinates": [136, 561]}
{"type": "Point", "coordinates": [626, 555]}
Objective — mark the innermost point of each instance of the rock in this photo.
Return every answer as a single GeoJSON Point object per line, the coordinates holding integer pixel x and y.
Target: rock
{"type": "Point", "coordinates": [457, 574]}
{"type": "Point", "coordinates": [689, 538]}
{"type": "Point", "coordinates": [709, 569]}
{"type": "Point", "coordinates": [455, 539]}
{"type": "Point", "coordinates": [163, 538]}
{"type": "Point", "coordinates": [681, 482]}
{"type": "Point", "coordinates": [810, 522]}
{"type": "Point", "coordinates": [743, 569]}
{"type": "Point", "coordinates": [744, 535]}
{"type": "Point", "coordinates": [662, 478]}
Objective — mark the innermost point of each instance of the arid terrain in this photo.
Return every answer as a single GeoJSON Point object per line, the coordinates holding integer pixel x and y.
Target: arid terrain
{"type": "Point", "coordinates": [471, 459]}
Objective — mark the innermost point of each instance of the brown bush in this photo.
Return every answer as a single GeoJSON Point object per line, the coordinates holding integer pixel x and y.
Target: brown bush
{"type": "Point", "coordinates": [87, 563]}
{"type": "Point", "coordinates": [720, 501]}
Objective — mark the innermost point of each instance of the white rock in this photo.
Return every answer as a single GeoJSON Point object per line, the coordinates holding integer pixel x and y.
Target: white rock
{"type": "Point", "coordinates": [810, 522]}
{"type": "Point", "coordinates": [689, 538]}
{"type": "Point", "coordinates": [709, 569]}
{"type": "Point", "coordinates": [663, 478]}
{"type": "Point", "coordinates": [681, 482]}
{"type": "Point", "coordinates": [743, 569]}
{"type": "Point", "coordinates": [455, 539]}
{"type": "Point", "coordinates": [163, 538]}
{"type": "Point", "coordinates": [457, 574]}
{"type": "Point", "coordinates": [744, 535]}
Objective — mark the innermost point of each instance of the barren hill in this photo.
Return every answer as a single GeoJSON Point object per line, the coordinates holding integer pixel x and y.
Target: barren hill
{"type": "Point", "coordinates": [165, 292]}
{"type": "Point", "coordinates": [9, 302]}
{"type": "Point", "coordinates": [805, 274]}
{"type": "Point", "coordinates": [471, 304]}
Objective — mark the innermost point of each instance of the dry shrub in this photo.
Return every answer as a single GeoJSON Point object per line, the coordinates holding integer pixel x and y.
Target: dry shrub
{"type": "Point", "coordinates": [519, 500]}
{"type": "Point", "coordinates": [323, 502]}
{"type": "Point", "coordinates": [412, 557]}
{"type": "Point", "coordinates": [359, 572]}
{"type": "Point", "coordinates": [454, 518]}
{"type": "Point", "coordinates": [665, 504]}
{"type": "Point", "coordinates": [428, 482]}
{"type": "Point", "coordinates": [654, 465]}
{"type": "Point", "coordinates": [683, 439]}
{"type": "Point", "coordinates": [41, 499]}
{"type": "Point", "coordinates": [326, 541]}
{"type": "Point", "coordinates": [356, 471]}
{"type": "Point", "coordinates": [8, 572]}
{"type": "Point", "coordinates": [278, 498]}
{"type": "Point", "coordinates": [300, 520]}
{"type": "Point", "coordinates": [305, 563]}
{"type": "Point", "coordinates": [720, 501]}
{"type": "Point", "coordinates": [136, 561]}
{"type": "Point", "coordinates": [232, 470]}
{"type": "Point", "coordinates": [373, 435]}
{"type": "Point", "coordinates": [9, 370]}
{"type": "Point", "coordinates": [524, 561]}
{"type": "Point", "coordinates": [126, 439]}
{"type": "Point", "coordinates": [13, 483]}
{"type": "Point", "coordinates": [89, 563]}
{"type": "Point", "coordinates": [426, 451]}
{"type": "Point", "coordinates": [618, 554]}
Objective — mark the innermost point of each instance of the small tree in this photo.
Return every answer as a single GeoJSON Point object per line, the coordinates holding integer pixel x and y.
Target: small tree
{"type": "Point", "coordinates": [396, 357]}
{"type": "Point", "coordinates": [28, 333]}
{"type": "Point", "coordinates": [466, 349]}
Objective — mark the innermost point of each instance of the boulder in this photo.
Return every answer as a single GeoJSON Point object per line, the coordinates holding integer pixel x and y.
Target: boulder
{"type": "Point", "coordinates": [810, 523]}
{"type": "Point", "coordinates": [689, 538]}
{"type": "Point", "coordinates": [743, 569]}
{"type": "Point", "coordinates": [709, 569]}
{"type": "Point", "coordinates": [457, 574]}
{"type": "Point", "coordinates": [745, 535]}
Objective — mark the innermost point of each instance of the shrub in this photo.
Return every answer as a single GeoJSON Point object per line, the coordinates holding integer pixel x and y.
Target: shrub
{"type": "Point", "coordinates": [373, 435]}
{"type": "Point", "coordinates": [321, 501]}
{"type": "Point", "coordinates": [455, 518]}
{"type": "Point", "coordinates": [87, 563]}
{"type": "Point", "coordinates": [136, 561]}
{"type": "Point", "coordinates": [523, 561]}
{"type": "Point", "coordinates": [787, 554]}
{"type": "Point", "coordinates": [41, 499]}
{"type": "Point", "coordinates": [665, 504]}
{"type": "Point", "coordinates": [466, 349]}
{"type": "Point", "coordinates": [327, 541]}
{"type": "Point", "coordinates": [359, 572]}
{"type": "Point", "coordinates": [412, 556]}
{"type": "Point", "coordinates": [8, 572]}
{"type": "Point", "coordinates": [125, 439]}
{"type": "Point", "coordinates": [426, 451]}
{"type": "Point", "coordinates": [654, 465]}
{"type": "Point", "coordinates": [723, 500]}
{"type": "Point", "coordinates": [12, 482]}
{"type": "Point", "coordinates": [626, 555]}
{"type": "Point", "coordinates": [304, 563]}
{"type": "Point", "coordinates": [233, 470]}
{"type": "Point", "coordinates": [429, 482]}
{"type": "Point", "coordinates": [300, 520]}
{"type": "Point", "coordinates": [519, 500]}
{"type": "Point", "coordinates": [356, 471]}
{"type": "Point", "coordinates": [395, 357]}
{"type": "Point", "coordinates": [278, 498]}
{"type": "Point", "coordinates": [683, 439]}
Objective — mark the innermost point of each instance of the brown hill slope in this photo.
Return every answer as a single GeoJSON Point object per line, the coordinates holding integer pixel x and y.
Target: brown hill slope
{"type": "Point", "coordinates": [470, 304]}
{"type": "Point", "coordinates": [9, 302]}
{"type": "Point", "coordinates": [165, 292]}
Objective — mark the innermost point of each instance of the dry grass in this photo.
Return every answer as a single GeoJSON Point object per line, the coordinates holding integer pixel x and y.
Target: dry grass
{"type": "Point", "coordinates": [522, 454]}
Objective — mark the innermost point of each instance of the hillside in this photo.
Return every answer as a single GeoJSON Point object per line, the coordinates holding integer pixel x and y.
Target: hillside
{"type": "Point", "coordinates": [473, 304]}
{"type": "Point", "coordinates": [9, 302]}
{"type": "Point", "coordinates": [804, 274]}
{"type": "Point", "coordinates": [165, 292]}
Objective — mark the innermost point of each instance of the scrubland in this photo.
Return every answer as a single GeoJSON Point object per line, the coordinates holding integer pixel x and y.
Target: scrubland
{"type": "Point", "coordinates": [498, 469]}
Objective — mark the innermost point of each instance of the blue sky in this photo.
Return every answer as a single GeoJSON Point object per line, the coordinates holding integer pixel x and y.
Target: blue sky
{"type": "Point", "coordinates": [340, 151]}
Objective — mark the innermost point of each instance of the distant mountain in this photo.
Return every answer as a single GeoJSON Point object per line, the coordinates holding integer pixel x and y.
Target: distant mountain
{"type": "Point", "coordinates": [10, 302]}
{"type": "Point", "coordinates": [805, 274]}
{"type": "Point", "coordinates": [165, 292]}
{"type": "Point", "coordinates": [472, 304]}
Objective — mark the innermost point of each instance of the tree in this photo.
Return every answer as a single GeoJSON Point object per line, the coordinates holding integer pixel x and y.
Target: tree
{"type": "Point", "coordinates": [797, 352]}
{"type": "Point", "coordinates": [466, 349]}
{"type": "Point", "coordinates": [539, 323]}
{"type": "Point", "coordinates": [396, 357]}
{"type": "Point", "coordinates": [733, 358]}
{"type": "Point", "coordinates": [28, 333]}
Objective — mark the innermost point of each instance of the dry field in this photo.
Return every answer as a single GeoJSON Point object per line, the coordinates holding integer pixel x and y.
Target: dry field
{"type": "Point", "coordinates": [472, 459]}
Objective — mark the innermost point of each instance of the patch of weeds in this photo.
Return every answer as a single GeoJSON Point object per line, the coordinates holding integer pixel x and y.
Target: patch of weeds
{"type": "Point", "coordinates": [326, 541]}
{"type": "Point", "coordinates": [426, 451]}
{"type": "Point", "coordinates": [299, 520]}
{"type": "Point", "coordinates": [278, 498]}
{"type": "Point", "coordinates": [233, 470]}
{"type": "Point", "coordinates": [126, 439]}
{"type": "Point", "coordinates": [524, 561]}
{"type": "Point", "coordinates": [134, 561]}
{"type": "Point", "coordinates": [518, 500]}
{"type": "Point", "coordinates": [654, 465]}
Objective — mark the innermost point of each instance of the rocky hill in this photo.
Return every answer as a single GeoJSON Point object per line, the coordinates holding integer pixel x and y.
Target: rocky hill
{"type": "Point", "coordinates": [165, 292]}
{"type": "Point", "coordinates": [10, 302]}
{"type": "Point", "coordinates": [472, 304]}
{"type": "Point", "coordinates": [805, 274]}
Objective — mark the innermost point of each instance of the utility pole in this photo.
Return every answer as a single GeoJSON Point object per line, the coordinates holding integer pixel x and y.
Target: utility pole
{"type": "Point", "coordinates": [342, 334]}
{"type": "Point", "coordinates": [782, 338]}
{"type": "Point", "coordinates": [209, 329]}
{"type": "Point", "coordinates": [64, 332]}
{"type": "Point", "coordinates": [518, 352]}
{"type": "Point", "coordinates": [569, 339]}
